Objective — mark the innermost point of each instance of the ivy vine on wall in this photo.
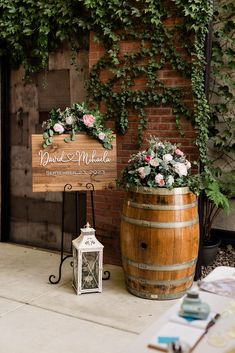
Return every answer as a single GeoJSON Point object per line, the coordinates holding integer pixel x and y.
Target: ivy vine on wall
{"type": "Point", "coordinates": [30, 29]}
{"type": "Point", "coordinates": [222, 86]}
{"type": "Point", "coordinates": [157, 50]}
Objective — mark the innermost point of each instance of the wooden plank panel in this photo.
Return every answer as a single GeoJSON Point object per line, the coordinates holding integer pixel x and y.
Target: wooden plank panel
{"type": "Point", "coordinates": [77, 163]}
{"type": "Point", "coordinates": [56, 92]}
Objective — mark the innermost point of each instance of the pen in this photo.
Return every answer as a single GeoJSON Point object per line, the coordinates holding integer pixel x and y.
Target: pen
{"type": "Point", "coordinates": [209, 325]}
{"type": "Point", "coordinates": [212, 322]}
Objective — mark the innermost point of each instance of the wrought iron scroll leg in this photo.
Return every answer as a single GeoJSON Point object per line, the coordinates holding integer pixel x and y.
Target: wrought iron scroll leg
{"type": "Point", "coordinates": [60, 269]}
{"type": "Point", "coordinates": [106, 275]}
{"type": "Point", "coordinates": [52, 278]}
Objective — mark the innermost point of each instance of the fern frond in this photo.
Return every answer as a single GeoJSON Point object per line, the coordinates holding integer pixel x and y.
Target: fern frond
{"type": "Point", "coordinates": [215, 195]}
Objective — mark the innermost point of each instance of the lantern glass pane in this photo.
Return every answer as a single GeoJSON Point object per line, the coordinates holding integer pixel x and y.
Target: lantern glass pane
{"type": "Point", "coordinates": [75, 267]}
{"type": "Point", "coordinates": [90, 270]}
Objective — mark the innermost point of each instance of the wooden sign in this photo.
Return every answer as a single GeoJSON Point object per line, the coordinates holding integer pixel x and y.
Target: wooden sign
{"type": "Point", "coordinates": [77, 163]}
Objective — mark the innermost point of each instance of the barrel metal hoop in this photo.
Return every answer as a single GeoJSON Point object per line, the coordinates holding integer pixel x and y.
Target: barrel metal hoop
{"type": "Point", "coordinates": [161, 207]}
{"type": "Point", "coordinates": [166, 282]}
{"type": "Point", "coordinates": [161, 191]}
{"type": "Point", "coordinates": [158, 267]}
{"type": "Point", "coordinates": [165, 225]}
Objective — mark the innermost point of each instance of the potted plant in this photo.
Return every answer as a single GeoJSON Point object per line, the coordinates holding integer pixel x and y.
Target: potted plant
{"type": "Point", "coordinates": [159, 227]}
{"type": "Point", "coordinates": [218, 191]}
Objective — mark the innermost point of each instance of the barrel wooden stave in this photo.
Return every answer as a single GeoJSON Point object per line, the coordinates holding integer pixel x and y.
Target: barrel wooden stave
{"type": "Point", "coordinates": [168, 254]}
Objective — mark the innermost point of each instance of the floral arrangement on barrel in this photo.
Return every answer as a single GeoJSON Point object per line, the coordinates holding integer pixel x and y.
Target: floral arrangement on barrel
{"type": "Point", "coordinates": [162, 164]}
{"type": "Point", "coordinates": [76, 119]}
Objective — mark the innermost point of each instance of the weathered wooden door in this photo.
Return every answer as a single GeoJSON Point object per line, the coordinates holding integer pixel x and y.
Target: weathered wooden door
{"type": "Point", "coordinates": [4, 148]}
{"type": "Point", "coordinates": [36, 217]}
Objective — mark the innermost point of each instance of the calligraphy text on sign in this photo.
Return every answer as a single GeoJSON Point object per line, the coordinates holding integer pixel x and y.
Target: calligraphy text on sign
{"type": "Point", "coordinates": [76, 163]}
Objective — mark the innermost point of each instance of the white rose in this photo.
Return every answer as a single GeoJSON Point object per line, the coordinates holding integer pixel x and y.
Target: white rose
{"type": "Point", "coordinates": [154, 162]}
{"type": "Point", "coordinates": [58, 128]}
{"type": "Point", "coordinates": [141, 172]}
{"type": "Point", "coordinates": [188, 165]}
{"type": "Point", "coordinates": [170, 180]}
{"type": "Point", "coordinates": [180, 169]}
{"type": "Point", "coordinates": [101, 136]}
{"type": "Point", "coordinates": [167, 157]}
{"type": "Point", "coordinates": [69, 120]}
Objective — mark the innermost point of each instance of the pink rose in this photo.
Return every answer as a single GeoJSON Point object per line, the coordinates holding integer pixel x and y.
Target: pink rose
{"type": "Point", "coordinates": [179, 152]}
{"type": "Point", "coordinates": [159, 179]}
{"type": "Point", "coordinates": [58, 128]}
{"type": "Point", "coordinates": [88, 120]}
{"type": "Point", "coordinates": [147, 158]}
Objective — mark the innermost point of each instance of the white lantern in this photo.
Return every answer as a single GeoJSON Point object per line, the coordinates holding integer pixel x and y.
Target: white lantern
{"type": "Point", "coordinates": [87, 262]}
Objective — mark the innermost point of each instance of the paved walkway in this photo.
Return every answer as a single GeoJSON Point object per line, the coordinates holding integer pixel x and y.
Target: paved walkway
{"type": "Point", "coordinates": [38, 317]}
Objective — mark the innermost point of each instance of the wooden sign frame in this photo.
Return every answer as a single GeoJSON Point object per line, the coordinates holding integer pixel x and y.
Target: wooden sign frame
{"type": "Point", "coordinates": [76, 163]}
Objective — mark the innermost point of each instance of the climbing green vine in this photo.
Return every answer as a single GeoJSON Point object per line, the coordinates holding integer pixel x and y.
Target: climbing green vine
{"type": "Point", "coordinates": [222, 85]}
{"type": "Point", "coordinates": [30, 29]}
{"type": "Point", "coordinates": [168, 34]}
{"type": "Point", "coordinates": [157, 49]}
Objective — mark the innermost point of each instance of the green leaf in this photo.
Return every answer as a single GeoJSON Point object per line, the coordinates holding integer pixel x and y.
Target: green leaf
{"type": "Point", "coordinates": [45, 135]}
{"type": "Point", "coordinates": [48, 142]}
{"type": "Point", "coordinates": [147, 170]}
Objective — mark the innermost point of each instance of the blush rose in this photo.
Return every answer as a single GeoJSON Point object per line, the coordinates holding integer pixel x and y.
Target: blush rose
{"type": "Point", "coordinates": [88, 120]}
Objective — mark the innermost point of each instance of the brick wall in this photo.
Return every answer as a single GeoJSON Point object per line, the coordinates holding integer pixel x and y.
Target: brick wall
{"type": "Point", "coordinates": [161, 123]}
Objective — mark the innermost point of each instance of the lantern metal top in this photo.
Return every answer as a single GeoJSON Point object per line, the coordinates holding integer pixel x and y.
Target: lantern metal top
{"type": "Point", "coordinates": [87, 230]}
{"type": "Point", "coordinates": [87, 240]}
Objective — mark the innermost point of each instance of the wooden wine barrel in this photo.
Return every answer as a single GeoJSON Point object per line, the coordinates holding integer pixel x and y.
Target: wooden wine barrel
{"type": "Point", "coordinates": [159, 241]}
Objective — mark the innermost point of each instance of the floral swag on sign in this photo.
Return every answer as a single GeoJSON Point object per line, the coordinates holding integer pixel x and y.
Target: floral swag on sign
{"type": "Point", "coordinates": [76, 119]}
{"type": "Point", "coordinates": [161, 165]}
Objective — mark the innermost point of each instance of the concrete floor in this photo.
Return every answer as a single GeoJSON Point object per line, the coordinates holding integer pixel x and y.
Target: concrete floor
{"type": "Point", "coordinates": [38, 317]}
